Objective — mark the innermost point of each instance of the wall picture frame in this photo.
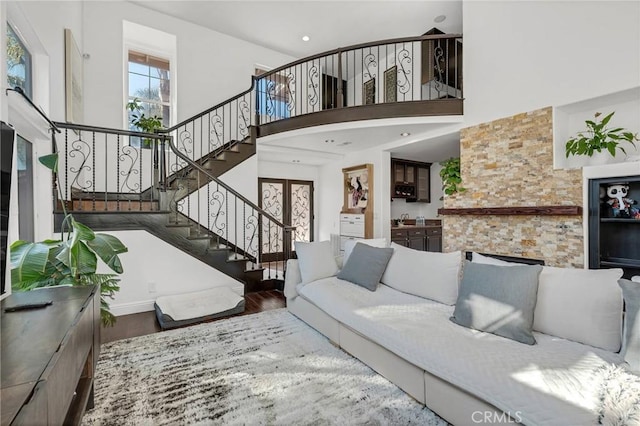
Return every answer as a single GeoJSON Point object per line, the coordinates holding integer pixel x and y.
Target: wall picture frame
{"type": "Point", "coordinates": [73, 70]}
{"type": "Point", "coordinates": [369, 92]}
{"type": "Point", "coordinates": [391, 84]}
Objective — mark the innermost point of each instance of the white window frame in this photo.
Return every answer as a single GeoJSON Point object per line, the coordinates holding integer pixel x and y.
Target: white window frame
{"type": "Point", "coordinates": [142, 39]}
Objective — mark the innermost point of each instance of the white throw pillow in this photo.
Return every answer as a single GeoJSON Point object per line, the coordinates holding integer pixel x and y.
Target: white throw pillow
{"type": "Point", "coordinates": [487, 260]}
{"type": "Point", "coordinates": [583, 305]}
{"type": "Point", "coordinates": [426, 274]}
{"type": "Point", "coordinates": [373, 242]}
{"type": "Point", "coordinates": [316, 260]}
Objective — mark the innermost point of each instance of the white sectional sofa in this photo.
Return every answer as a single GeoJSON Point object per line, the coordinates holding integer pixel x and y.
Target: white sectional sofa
{"type": "Point", "coordinates": [468, 376]}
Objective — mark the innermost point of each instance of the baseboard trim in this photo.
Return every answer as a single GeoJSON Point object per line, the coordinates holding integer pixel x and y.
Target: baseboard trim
{"type": "Point", "coordinates": [131, 308]}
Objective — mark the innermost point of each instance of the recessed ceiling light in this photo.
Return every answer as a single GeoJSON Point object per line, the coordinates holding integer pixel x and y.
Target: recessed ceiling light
{"type": "Point", "coordinates": [403, 134]}
{"type": "Point", "coordinates": [439, 18]}
{"type": "Point", "coordinates": [305, 38]}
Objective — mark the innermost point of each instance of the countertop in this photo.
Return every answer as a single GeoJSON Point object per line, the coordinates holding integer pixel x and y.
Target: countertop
{"type": "Point", "coordinates": [429, 223]}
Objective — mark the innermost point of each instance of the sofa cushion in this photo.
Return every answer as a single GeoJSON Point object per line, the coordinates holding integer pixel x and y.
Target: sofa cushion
{"type": "Point", "coordinates": [425, 274]}
{"type": "Point", "coordinates": [373, 242]}
{"type": "Point", "coordinates": [315, 260]}
{"type": "Point", "coordinates": [498, 300]}
{"type": "Point", "coordinates": [583, 305]}
{"type": "Point", "coordinates": [366, 265]}
{"type": "Point", "coordinates": [631, 332]}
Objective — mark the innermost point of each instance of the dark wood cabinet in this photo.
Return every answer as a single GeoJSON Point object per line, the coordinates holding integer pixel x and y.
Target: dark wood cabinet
{"type": "Point", "coordinates": [424, 238]}
{"type": "Point", "coordinates": [49, 356]}
{"type": "Point", "coordinates": [399, 237]}
{"type": "Point", "coordinates": [423, 186]}
{"type": "Point", "coordinates": [433, 239]}
{"type": "Point", "coordinates": [410, 180]}
{"type": "Point", "coordinates": [404, 173]}
{"type": "Point", "coordinates": [614, 235]}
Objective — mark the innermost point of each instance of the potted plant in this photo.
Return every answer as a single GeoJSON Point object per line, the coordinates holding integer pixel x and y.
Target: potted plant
{"type": "Point", "coordinates": [598, 138]}
{"type": "Point", "coordinates": [147, 124]}
{"type": "Point", "coordinates": [451, 178]}
{"type": "Point", "coordinates": [71, 260]}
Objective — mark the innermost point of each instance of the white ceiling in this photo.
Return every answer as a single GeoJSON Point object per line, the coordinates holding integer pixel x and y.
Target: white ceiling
{"type": "Point", "coordinates": [280, 25]}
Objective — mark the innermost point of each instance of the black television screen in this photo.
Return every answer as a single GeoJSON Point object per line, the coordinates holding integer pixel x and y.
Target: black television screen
{"type": "Point", "coordinates": [7, 138]}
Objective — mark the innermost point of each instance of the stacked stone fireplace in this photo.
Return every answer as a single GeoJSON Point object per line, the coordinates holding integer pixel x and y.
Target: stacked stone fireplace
{"type": "Point", "coordinates": [509, 163]}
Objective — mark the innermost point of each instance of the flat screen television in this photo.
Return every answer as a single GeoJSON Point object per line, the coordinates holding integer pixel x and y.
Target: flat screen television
{"type": "Point", "coordinates": [7, 140]}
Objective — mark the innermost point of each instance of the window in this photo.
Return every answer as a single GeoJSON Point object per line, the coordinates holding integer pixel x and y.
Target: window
{"type": "Point", "coordinates": [25, 189]}
{"type": "Point", "coordinates": [149, 82]}
{"type": "Point", "coordinates": [273, 95]}
{"type": "Point", "coordinates": [18, 62]}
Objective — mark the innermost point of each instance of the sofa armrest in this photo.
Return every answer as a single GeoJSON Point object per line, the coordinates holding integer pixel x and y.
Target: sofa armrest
{"type": "Point", "coordinates": [292, 279]}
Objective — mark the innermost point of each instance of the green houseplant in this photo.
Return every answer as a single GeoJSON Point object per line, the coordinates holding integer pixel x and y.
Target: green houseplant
{"type": "Point", "coordinates": [147, 124]}
{"type": "Point", "coordinates": [598, 137]}
{"type": "Point", "coordinates": [451, 178]}
{"type": "Point", "coordinates": [71, 260]}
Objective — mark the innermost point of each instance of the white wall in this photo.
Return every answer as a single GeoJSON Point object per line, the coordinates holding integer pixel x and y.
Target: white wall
{"type": "Point", "coordinates": [330, 192]}
{"type": "Point", "coordinates": [152, 261]}
{"type": "Point", "coordinates": [211, 66]}
{"type": "Point", "coordinates": [275, 170]}
{"type": "Point", "coordinates": [428, 210]}
{"type": "Point", "coordinates": [523, 55]}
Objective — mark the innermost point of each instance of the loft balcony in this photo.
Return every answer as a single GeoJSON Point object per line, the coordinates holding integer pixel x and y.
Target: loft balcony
{"type": "Point", "coordinates": [408, 77]}
{"type": "Point", "coordinates": [397, 78]}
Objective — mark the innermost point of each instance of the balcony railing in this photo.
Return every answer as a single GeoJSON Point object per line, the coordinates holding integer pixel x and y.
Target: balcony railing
{"type": "Point", "coordinates": [425, 68]}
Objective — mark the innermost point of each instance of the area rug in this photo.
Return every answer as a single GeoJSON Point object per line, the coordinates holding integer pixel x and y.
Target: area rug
{"type": "Point", "coordinates": [268, 368]}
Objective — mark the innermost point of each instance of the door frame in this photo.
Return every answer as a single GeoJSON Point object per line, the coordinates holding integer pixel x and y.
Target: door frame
{"type": "Point", "coordinates": [286, 209]}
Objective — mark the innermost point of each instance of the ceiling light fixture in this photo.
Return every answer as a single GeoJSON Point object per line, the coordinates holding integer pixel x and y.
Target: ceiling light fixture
{"type": "Point", "coordinates": [439, 18]}
{"type": "Point", "coordinates": [329, 140]}
{"type": "Point", "coordinates": [295, 161]}
{"type": "Point", "coordinates": [306, 38]}
{"type": "Point", "coordinates": [403, 134]}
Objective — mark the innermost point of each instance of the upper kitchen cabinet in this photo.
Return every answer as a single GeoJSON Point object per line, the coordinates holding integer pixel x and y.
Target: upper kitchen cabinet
{"type": "Point", "coordinates": [410, 180]}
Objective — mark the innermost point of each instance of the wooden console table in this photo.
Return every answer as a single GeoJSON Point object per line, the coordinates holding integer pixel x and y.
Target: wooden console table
{"type": "Point", "coordinates": [49, 356]}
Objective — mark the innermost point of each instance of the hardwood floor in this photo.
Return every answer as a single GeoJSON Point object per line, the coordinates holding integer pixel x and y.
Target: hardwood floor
{"type": "Point", "coordinates": [146, 323]}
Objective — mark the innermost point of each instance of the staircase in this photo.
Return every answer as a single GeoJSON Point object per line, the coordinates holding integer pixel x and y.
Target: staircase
{"type": "Point", "coordinates": [112, 184]}
{"type": "Point", "coordinates": [170, 186]}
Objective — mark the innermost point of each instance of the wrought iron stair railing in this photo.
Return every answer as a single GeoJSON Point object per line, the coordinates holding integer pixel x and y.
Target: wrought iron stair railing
{"type": "Point", "coordinates": [231, 219]}
{"type": "Point", "coordinates": [103, 169]}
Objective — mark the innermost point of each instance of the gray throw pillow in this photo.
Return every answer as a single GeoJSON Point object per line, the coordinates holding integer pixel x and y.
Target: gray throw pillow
{"type": "Point", "coordinates": [498, 299]}
{"type": "Point", "coordinates": [631, 331]}
{"type": "Point", "coordinates": [366, 265]}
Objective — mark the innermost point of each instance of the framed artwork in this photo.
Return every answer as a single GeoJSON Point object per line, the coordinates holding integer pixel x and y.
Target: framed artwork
{"type": "Point", "coordinates": [358, 186]}
{"type": "Point", "coordinates": [73, 79]}
{"type": "Point", "coordinates": [369, 92]}
{"type": "Point", "coordinates": [391, 84]}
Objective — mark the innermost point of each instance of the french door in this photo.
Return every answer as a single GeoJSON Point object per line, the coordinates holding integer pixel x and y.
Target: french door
{"type": "Point", "coordinates": [290, 202]}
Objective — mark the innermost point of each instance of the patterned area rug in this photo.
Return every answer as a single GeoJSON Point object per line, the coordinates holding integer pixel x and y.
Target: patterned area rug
{"type": "Point", "coordinates": [267, 368]}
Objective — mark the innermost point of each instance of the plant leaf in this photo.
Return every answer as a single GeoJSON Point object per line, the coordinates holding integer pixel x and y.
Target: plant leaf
{"type": "Point", "coordinates": [107, 247]}
{"type": "Point", "coordinates": [50, 161]}
{"type": "Point", "coordinates": [29, 262]}
{"type": "Point", "coordinates": [606, 119]}
{"type": "Point", "coordinates": [84, 233]}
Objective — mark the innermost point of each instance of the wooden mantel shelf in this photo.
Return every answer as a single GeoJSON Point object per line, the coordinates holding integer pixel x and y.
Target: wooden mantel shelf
{"type": "Point", "coordinates": [516, 211]}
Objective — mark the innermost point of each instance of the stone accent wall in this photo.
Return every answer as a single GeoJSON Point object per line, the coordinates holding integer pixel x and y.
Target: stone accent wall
{"type": "Point", "coordinates": [508, 163]}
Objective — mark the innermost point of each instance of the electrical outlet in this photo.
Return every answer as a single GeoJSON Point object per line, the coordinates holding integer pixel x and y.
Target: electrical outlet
{"type": "Point", "coordinates": [152, 287]}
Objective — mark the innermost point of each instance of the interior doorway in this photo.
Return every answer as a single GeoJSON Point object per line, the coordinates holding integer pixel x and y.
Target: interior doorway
{"type": "Point", "coordinates": [290, 202]}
